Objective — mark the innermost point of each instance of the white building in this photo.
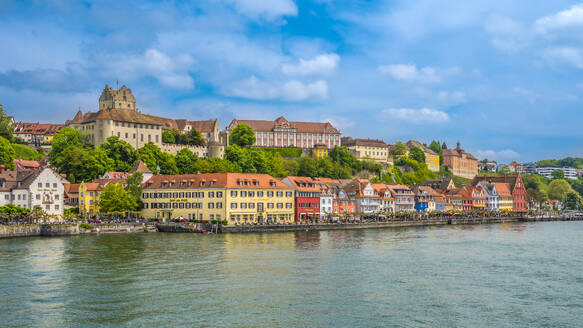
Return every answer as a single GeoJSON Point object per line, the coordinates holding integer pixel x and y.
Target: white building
{"type": "Point", "coordinates": [492, 198]}
{"type": "Point", "coordinates": [547, 171]}
{"type": "Point", "coordinates": [27, 189]}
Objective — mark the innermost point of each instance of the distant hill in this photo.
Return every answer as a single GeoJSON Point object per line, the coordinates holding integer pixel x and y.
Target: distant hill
{"type": "Point", "coordinates": [569, 161]}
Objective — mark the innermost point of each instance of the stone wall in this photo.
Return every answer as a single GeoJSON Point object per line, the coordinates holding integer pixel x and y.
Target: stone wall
{"type": "Point", "coordinates": [53, 230]}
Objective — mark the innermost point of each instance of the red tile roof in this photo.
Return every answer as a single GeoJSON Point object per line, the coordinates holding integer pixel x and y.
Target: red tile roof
{"type": "Point", "coordinates": [281, 122]}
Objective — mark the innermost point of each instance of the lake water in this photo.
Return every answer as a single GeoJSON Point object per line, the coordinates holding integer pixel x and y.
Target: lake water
{"type": "Point", "coordinates": [505, 275]}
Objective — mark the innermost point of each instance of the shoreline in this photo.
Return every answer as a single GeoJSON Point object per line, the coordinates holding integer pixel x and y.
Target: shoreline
{"type": "Point", "coordinates": [59, 230]}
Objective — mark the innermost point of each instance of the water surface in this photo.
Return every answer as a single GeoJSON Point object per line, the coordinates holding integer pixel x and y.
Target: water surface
{"type": "Point", "coordinates": [504, 275]}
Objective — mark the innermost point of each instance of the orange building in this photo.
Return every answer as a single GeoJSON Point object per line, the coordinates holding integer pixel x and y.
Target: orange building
{"type": "Point", "coordinates": [460, 163]}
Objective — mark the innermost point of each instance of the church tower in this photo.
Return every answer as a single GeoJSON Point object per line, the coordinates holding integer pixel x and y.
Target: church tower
{"type": "Point", "coordinates": [117, 99]}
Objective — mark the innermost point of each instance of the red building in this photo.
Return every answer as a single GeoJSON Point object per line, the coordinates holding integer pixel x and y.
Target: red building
{"type": "Point", "coordinates": [307, 197]}
{"type": "Point", "coordinates": [515, 185]}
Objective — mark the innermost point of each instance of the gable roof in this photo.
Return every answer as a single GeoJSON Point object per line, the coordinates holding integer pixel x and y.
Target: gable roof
{"type": "Point", "coordinates": [350, 142]}
{"type": "Point", "coordinates": [458, 152]}
{"type": "Point", "coordinates": [503, 189]}
{"type": "Point", "coordinates": [281, 122]}
{"type": "Point", "coordinates": [509, 179]}
{"type": "Point", "coordinates": [140, 166]}
{"type": "Point", "coordinates": [414, 143]}
{"type": "Point", "coordinates": [219, 180]}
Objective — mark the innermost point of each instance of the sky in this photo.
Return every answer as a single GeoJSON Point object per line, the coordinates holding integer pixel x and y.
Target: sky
{"type": "Point", "coordinates": [505, 78]}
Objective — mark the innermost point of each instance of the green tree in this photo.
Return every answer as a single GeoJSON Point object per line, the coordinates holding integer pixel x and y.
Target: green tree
{"type": "Point", "coordinates": [7, 153]}
{"type": "Point", "coordinates": [168, 137]}
{"type": "Point", "coordinates": [342, 156]}
{"type": "Point", "coordinates": [242, 135]}
{"type": "Point", "coordinates": [417, 154]}
{"type": "Point", "coordinates": [292, 167]}
{"type": "Point", "coordinates": [437, 148]}
{"type": "Point", "coordinates": [399, 149]}
{"type": "Point", "coordinates": [558, 189]}
{"type": "Point", "coordinates": [121, 152]}
{"type": "Point", "coordinates": [216, 165]}
{"type": "Point", "coordinates": [558, 174]}
{"type": "Point", "coordinates": [134, 189]}
{"type": "Point", "coordinates": [573, 201]}
{"type": "Point", "coordinates": [26, 152]}
{"type": "Point", "coordinates": [186, 161]}
{"type": "Point", "coordinates": [443, 145]}
{"type": "Point", "coordinates": [278, 169]}
{"type": "Point", "coordinates": [114, 199]}
{"type": "Point", "coordinates": [5, 126]}
{"type": "Point", "coordinates": [194, 138]}
{"type": "Point", "coordinates": [458, 144]}
{"type": "Point", "coordinates": [153, 157]}
{"type": "Point", "coordinates": [307, 167]}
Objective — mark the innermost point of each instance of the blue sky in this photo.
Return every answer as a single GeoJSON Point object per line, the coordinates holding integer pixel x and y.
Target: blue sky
{"type": "Point", "coordinates": [504, 78]}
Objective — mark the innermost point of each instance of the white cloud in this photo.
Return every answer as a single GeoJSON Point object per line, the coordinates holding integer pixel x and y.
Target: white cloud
{"type": "Point", "coordinates": [173, 72]}
{"type": "Point", "coordinates": [572, 17]}
{"type": "Point", "coordinates": [569, 55]}
{"type": "Point", "coordinates": [455, 97]}
{"type": "Point", "coordinates": [417, 116]}
{"type": "Point", "coordinates": [506, 155]}
{"type": "Point", "coordinates": [507, 34]}
{"type": "Point", "coordinates": [268, 9]}
{"type": "Point", "coordinates": [410, 73]}
{"type": "Point", "coordinates": [293, 90]}
{"type": "Point", "coordinates": [322, 64]}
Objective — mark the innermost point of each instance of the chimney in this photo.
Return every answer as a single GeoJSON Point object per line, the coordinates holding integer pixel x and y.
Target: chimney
{"type": "Point", "coordinates": [2, 168]}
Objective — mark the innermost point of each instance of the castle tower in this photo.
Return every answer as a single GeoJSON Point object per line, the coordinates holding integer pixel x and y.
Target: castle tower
{"type": "Point", "coordinates": [117, 99]}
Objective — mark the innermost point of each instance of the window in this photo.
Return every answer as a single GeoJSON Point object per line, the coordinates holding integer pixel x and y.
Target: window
{"type": "Point", "coordinates": [56, 196]}
{"type": "Point", "coordinates": [219, 194]}
{"type": "Point", "coordinates": [233, 205]}
{"type": "Point", "coordinates": [219, 205]}
{"type": "Point", "coordinates": [243, 193]}
{"type": "Point", "coordinates": [251, 205]}
{"type": "Point", "coordinates": [260, 194]}
{"type": "Point", "coordinates": [269, 205]}
{"type": "Point", "coordinates": [38, 197]}
{"type": "Point", "coordinates": [211, 194]}
{"type": "Point", "coordinates": [251, 193]}
{"type": "Point", "coordinates": [54, 185]}
{"type": "Point", "coordinates": [234, 193]}
{"type": "Point", "coordinates": [279, 205]}
{"type": "Point", "coordinates": [288, 194]}
{"type": "Point", "coordinates": [270, 194]}
{"type": "Point", "coordinates": [211, 205]}
{"type": "Point", "coordinates": [47, 185]}
{"type": "Point", "coordinates": [48, 207]}
{"type": "Point", "coordinates": [288, 205]}
{"type": "Point", "coordinates": [126, 135]}
{"type": "Point", "coordinates": [243, 205]}
{"type": "Point", "coordinates": [280, 194]}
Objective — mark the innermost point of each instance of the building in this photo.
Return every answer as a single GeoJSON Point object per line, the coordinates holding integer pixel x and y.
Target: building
{"type": "Point", "coordinates": [454, 200]}
{"type": "Point", "coordinates": [118, 116]}
{"type": "Point", "coordinates": [478, 197]}
{"type": "Point", "coordinates": [460, 163]}
{"type": "Point", "coordinates": [320, 151]}
{"type": "Point", "coordinates": [307, 202]}
{"type": "Point", "coordinates": [440, 201]}
{"type": "Point", "coordinates": [283, 133]}
{"type": "Point", "coordinates": [361, 190]}
{"type": "Point", "coordinates": [491, 195]}
{"type": "Point", "coordinates": [372, 149]}
{"type": "Point", "coordinates": [490, 166]}
{"type": "Point", "coordinates": [404, 197]}
{"type": "Point", "coordinates": [239, 198]}
{"type": "Point", "coordinates": [386, 199]}
{"type": "Point", "coordinates": [515, 185]}
{"type": "Point", "coordinates": [36, 133]}
{"type": "Point", "coordinates": [431, 157]}
{"type": "Point", "coordinates": [440, 184]}
{"type": "Point", "coordinates": [342, 204]}
{"type": "Point", "coordinates": [24, 165]}
{"type": "Point", "coordinates": [209, 129]}
{"type": "Point", "coordinates": [326, 196]}
{"type": "Point", "coordinates": [27, 189]}
{"type": "Point", "coordinates": [424, 199]}
{"type": "Point", "coordinates": [505, 202]}
{"type": "Point", "coordinates": [89, 193]}
{"type": "Point", "coordinates": [547, 171]}
{"type": "Point", "coordinates": [71, 199]}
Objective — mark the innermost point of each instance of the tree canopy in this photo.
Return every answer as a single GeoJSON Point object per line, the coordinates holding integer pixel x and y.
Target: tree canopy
{"type": "Point", "coordinates": [558, 189]}
{"type": "Point", "coordinates": [5, 126]}
{"type": "Point", "coordinates": [415, 153]}
{"type": "Point", "coordinates": [114, 199]}
{"type": "Point", "coordinates": [7, 153]}
{"type": "Point", "coordinates": [242, 136]}
{"type": "Point", "coordinates": [399, 149]}
{"type": "Point", "coordinates": [121, 152]}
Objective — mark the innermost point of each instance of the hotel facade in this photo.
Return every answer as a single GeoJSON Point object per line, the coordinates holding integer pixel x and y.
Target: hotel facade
{"type": "Point", "coordinates": [239, 198]}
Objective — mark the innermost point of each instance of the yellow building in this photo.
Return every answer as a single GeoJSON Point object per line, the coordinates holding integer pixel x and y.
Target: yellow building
{"type": "Point", "coordinates": [239, 198]}
{"type": "Point", "coordinates": [372, 149]}
{"type": "Point", "coordinates": [89, 198]}
{"type": "Point", "coordinates": [431, 157]}
{"type": "Point", "coordinates": [505, 202]}
{"type": "Point", "coordinates": [320, 151]}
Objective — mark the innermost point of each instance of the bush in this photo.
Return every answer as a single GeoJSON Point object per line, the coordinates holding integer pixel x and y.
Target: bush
{"type": "Point", "coordinates": [86, 226]}
{"type": "Point", "coordinates": [284, 152]}
{"type": "Point", "coordinates": [27, 153]}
